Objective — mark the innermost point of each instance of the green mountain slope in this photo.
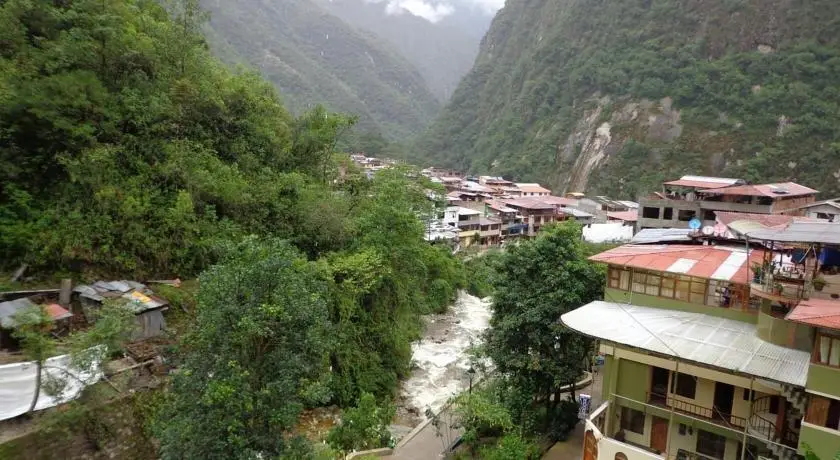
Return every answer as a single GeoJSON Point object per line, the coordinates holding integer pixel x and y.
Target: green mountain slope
{"type": "Point", "coordinates": [612, 96]}
{"type": "Point", "coordinates": [313, 57]}
{"type": "Point", "coordinates": [442, 52]}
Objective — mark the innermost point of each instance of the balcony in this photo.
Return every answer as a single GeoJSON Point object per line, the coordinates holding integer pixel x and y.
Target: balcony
{"type": "Point", "coordinates": [706, 413]}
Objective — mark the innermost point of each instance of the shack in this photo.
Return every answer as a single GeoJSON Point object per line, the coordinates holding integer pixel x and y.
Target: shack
{"type": "Point", "coordinates": [9, 309]}
{"type": "Point", "coordinates": [137, 297]}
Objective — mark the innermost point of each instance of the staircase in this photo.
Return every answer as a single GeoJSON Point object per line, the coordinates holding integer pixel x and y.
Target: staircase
{"type": "Point", "coordinates": [762, 423]}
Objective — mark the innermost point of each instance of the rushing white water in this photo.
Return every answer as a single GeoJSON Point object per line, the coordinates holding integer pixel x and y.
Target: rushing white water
{"type": "Point", "coordinates": [440, 358]}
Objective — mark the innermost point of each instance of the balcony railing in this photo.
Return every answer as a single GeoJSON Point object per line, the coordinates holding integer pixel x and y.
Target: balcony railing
{"type": "Point", "coordinates": [707, 413]}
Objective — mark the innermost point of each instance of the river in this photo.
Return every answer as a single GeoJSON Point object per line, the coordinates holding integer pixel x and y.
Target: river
{"type": "Point", "coordinates": [440, 358]}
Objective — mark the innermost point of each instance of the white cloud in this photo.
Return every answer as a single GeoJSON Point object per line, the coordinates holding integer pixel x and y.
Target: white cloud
{"type": "Point", "coordinates": [429, 10]}
{"type": "Point", "coordinates": [435, 10]}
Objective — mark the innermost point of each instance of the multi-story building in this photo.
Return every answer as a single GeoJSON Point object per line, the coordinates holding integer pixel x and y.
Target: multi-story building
{"type": "Point", "coordinates": [700, 197]}
{"type": "Point", "coordinates": [718, 352]}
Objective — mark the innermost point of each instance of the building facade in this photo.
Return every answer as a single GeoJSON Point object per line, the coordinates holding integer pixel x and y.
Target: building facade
{"type": "Point", "coordinates": [706, 359]}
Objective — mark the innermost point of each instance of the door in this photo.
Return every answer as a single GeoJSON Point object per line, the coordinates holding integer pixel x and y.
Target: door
{"type": "Point", "coordinates": [659, 434]}
{"type": "Point", "coordinates": [724, 394]}
{"type": "Point", "coordinates": [658, 385]}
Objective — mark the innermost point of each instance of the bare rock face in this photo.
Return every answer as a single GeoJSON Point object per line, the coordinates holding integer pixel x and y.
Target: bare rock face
{"type": "Point", "coordinates": [594, 140]}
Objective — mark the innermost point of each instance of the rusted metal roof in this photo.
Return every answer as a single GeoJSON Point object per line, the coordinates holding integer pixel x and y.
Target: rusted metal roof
{"type": "Point", "coordinates": [627, 216]}
{"type": "Point", "coordinates": [817, 313]}
{"type": "Point", "coordinates": [769, 190]}
{"type": "Point", "coordinates": [721, 343]}
{"type": "Point", "coordinates": [704, 182]}
{"type": "Point", "coordinates": [714, 262]}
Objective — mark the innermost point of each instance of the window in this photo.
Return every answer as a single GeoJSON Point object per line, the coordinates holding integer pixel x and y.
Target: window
{"type": "Point", "coordinates": [632, 420]}
{"type": "Point", "coordinates": [827, 350]}
{"type": "Point", "coordinates": [668, 282]}
{"type": "Point", "coordinates": [698, 291]}
{"type": "Point", "coordinates": [619, 278]}
{"type": "Point", "coordinates": [650, 212]}
{"type": "Point", "coordinates": [748, 395]}
{"type": "Point", "coordinates": [709, 215]}
{"type": "Point", "coordinates": [823, 412]}
{"type": "Point", "coordinates": [668, 214]}
{"type": "Point", "coordinates": [682, 429]}
{"type": "Point", "coordinates": [684, 385]}
{"type": "Point", "coordinates": [686, 215]}
{"type": "Point", "coordinates": [713, 445]}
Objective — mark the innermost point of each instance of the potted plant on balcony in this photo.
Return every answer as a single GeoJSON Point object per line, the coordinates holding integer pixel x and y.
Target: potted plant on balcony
{"type": "Point", "coordinates": [778, 288]}
{"type": "Point", "coordinates": [758, 271]}
{"type": "Point", "coordinates": [818, 283]}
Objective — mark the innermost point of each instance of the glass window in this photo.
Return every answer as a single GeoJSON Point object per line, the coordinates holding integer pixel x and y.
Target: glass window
{"type": "Point", "coordinates": [639, 282]}
{"type": "Point", "coordinates": [652, 285]}
{"type": "Point", "coordinates": [827, 350]}
{"type": "Point", "coordinates": [682, 288]}
{"type": "Point", "coordinates": [698, 291]}
{"type": "Point", "coordinates": [711, 444]}
{"type": "Point", "coordinates": [632, 420]}
{"type": "Point", "coordinates": [668, 282]}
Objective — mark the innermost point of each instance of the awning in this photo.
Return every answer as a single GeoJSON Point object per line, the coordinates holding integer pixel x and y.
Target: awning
{"type": "Point", "coordinates": [704, 339]}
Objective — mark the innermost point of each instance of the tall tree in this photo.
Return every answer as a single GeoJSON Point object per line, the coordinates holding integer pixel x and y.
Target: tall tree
{"type": "Point", "coordinates": [537, 282]}
{"type": "Point", "coordinates": [256, 357]}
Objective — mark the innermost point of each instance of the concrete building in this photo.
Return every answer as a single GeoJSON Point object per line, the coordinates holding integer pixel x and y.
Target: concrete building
{"type": "Point", "coordinates": [828, 210]}
{"type": "Point", "coordinates": [718, 352]}
{"type": "Point", "coordinates": [530, 190]}
{"type": "Point", "coordinates": [701, 197]}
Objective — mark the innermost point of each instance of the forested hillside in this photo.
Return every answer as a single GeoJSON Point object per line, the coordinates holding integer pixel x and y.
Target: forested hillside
{"type": "Point", "coordinates": [313, 57]}
{"type": "Point", "coordinates": [612, 96]}
{"type": "Point", "coordinates": [128, 152]}
{"type": "Point", "coordinates": [442, 52]}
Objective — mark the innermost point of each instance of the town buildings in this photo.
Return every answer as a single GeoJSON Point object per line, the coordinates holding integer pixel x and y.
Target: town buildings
{"type": "Point", "coordinates": [727, 351]}
{"type": "Point", "coordinates": [699, 197]}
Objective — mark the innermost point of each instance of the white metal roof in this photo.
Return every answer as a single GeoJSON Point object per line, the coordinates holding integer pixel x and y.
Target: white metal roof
{"type": "Point", "coordinates": [800, 232]}
{"type": "Point", "coordinates": [704, 339]}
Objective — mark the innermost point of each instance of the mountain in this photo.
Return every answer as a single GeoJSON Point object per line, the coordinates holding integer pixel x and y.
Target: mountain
{"type": "Point", "coordinates": [315, 58]}
{"type": "Point", "coordinates": [443, 51]}
{"type": "Point", "coordinates": [612, 96]}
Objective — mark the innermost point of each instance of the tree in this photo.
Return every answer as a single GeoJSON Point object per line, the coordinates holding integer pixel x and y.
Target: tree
{"type": "Point", "coordinates": [362, 427]}
{"type": "Point", "coordinates": [534, 352]}
{"type": "Point", "coordinates": [256, 357]}
{"type": "Point", "coordinates": [33, 328]}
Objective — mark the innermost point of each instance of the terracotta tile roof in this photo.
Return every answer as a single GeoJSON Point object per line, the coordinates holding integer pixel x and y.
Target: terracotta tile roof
{"type": "Point", "coordinates": [771, 190]}
{"type": "Point", "coordinates": [715, 262]}
{"type": "Point", "coordinates": [528, 203]}
{"type": "Point", "coordinates": [556, 200]}
{"type": "Point", "coordinates": [627, 216]}
{"type": "Point", "coordinates": [817, 313]}
{"type": "Point", "coordinates": [767, 220]}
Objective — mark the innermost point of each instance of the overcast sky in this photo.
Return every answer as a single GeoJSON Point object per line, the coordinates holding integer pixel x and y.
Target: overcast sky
{"type": "Point", "coordinates": [435, 10]}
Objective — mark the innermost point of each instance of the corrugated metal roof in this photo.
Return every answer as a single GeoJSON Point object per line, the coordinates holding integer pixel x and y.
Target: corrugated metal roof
{"type": "Point", "coordinates": [135, 296]}
{"type": "Point", "coordinates": [715, 262]}
{"type": "Point", "coordinates": [9, 309]}
{"type": "Point", "coordinates": [575, 212]}
{"type": "Point", "coordinates": [767, 220]}
{"type": "Point", "coordinates": [658, 235]}
{"type": "Point", "coordinates": [817, 313]}
{"type": "Point", "coordinates": [709, 340]}
{"type": "Point", "coordinates": [704, 182]}
{"type": "Point", "coordinates": [627, 216]}
{"type": "Point", "coordinates": [799, 232]}
{"type": "Point", "coordinates": [532, 188]}
{"type": "Point", "coordinates": [771, 190]}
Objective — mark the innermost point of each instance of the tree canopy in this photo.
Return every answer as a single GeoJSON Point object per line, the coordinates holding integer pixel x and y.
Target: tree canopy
{"type": "Point", "coordinates": [531, 349]}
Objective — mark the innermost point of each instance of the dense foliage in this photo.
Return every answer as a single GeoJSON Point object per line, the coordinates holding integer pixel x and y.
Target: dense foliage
{"type": "Point", "coordinates": [733, 69]}
{"type": "Point", "coordinates": [126, 150]}
{"type": "Point", "coordinates": [362, 427]}
{"type": "Point", "coordinates": [314, 57]}
{"type": "Point", "coordinates": [534, 354]}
